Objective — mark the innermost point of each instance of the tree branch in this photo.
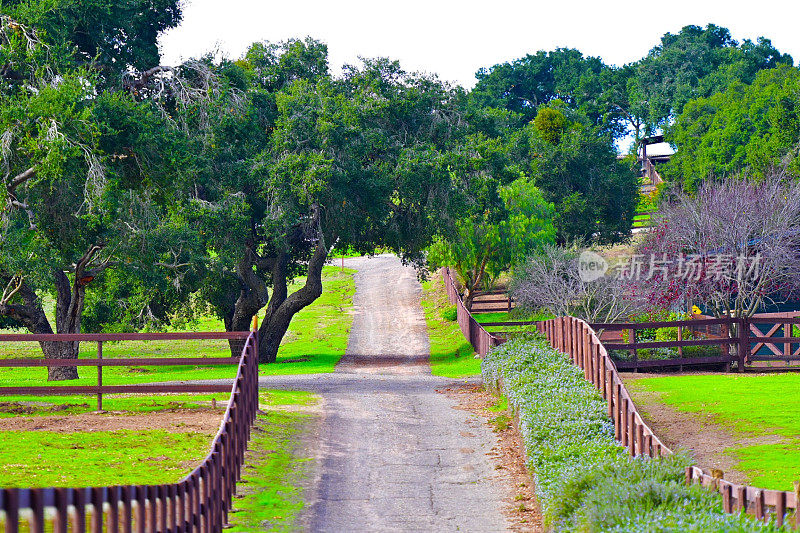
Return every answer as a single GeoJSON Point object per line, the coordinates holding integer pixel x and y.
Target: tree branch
{"type": "Point", "coordinates": [19, 179]}
{"type": "Point", "coordinates": [9, 292]}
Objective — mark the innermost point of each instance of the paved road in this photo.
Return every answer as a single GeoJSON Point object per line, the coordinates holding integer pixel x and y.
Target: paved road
{"type": "Point", "coordinates": [395, 454]}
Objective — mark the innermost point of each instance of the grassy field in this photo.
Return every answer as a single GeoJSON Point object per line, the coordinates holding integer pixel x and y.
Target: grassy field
{"type": "Point", "coordinates": [451, 355]}
{"type": "Point", "coordinates": [315, 342]}
{"type": "Point", "coordinates": [51, 459]}
{"type": "Point", "coordinates": [271, 489]}
{"type": "Point", "coordinates": [154, 456]}
{"type": "Point", "coordinates": [750, 404]}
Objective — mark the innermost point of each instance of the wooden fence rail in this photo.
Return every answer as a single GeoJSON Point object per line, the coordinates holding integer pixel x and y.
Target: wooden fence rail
{"type": "Point", "coordinates": [582, 344]}
{"type": "Point", "coordinates": [480, 339]}
{"type": "Point", "coordinates": [99, 390]}
{"type": "Point", "coordinates": [200, 502]}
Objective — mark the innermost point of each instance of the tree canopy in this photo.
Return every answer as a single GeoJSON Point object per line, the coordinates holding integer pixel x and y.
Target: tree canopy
{"type": "Point", "coordinates": [85, 172]}
{"type": "Point", "coordinates": [132, 189]}
{"type": "Point", "coordinates": [753, 128]}
{"type": "Point", "coordinates": [576, 167]}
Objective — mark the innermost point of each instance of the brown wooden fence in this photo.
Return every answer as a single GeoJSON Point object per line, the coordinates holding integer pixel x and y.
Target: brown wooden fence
{"type": "Point", "coordinates": [491, 302]}
{"type": "Point", "coordinates": [480, 339]}
{"type": "Point", "coordinates": [200, 502]}
{"type": "Point", "coordinates": [582, 344]}
{"type": "Point", "coordinates": [760, 341]}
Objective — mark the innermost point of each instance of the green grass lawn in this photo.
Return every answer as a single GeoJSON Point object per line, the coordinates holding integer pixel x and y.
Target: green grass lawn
{"type": "Point", "coordinates": [98, 458]}
{"type": "Point", "coordinates": [271, 490]}
{"type": "Point", "coordinates": [752, 404]}
{"type": "Point", "coordinates": [451, 355]}
{"type": "Point", "coordinates": [125, 457]}
{"type": "Point", "coordinates": [315, 342]}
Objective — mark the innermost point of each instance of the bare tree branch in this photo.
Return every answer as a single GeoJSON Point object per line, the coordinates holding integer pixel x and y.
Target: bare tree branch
{"type": "Point", "coordinates": [20, 178]}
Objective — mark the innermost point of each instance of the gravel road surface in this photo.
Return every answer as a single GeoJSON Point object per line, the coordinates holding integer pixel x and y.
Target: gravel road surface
{"type": "Point", "coordinates": [394, 453]}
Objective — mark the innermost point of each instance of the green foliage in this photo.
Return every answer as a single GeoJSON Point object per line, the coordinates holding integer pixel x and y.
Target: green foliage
{"type": "Point", "coordinates": [487, 243]}
{"type": "Point", "coordinates": [551, 124]}
{"type": "Point", "coordinates": [88, 171]}
{"type": "Point", "coordinates": [747, 128]}
{"type": "Point", "coordinates": [697, 62]}
{"type": "Point", "coordinates": [594, 194]}
{"type": "Point", "coordinates": [527, 83]}
{"type": "Point", "coordinates": [112, 35]}
{"type": "Point", "coordinates": [585, 481]}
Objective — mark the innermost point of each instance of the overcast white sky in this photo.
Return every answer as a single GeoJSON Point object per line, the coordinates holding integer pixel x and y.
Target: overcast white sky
{"type": "Point", "coordinates": [455, 38]}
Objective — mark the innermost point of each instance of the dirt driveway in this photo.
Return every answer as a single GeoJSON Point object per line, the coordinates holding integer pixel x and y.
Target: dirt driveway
{"type": "Point", "coordinates": [395, 455]}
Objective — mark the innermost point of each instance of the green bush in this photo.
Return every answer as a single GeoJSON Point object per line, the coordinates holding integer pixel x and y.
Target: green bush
{"type": "Point", "coordinates": [450, 313]}
{"type": "Point", "coordinates": [585, 480]}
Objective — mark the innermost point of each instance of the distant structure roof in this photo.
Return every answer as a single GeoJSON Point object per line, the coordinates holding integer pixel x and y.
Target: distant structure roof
{"type": "Point", "coordinates": [658, 150]}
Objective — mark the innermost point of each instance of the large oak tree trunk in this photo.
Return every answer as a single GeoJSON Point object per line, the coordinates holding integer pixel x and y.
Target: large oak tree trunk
{"type": "Point", "coordinates": [282, 306]}
{"type": "Point", "coordinates": [277, 319]}
{"type": "Point", "coordinates": [30, 313]}
{"type": "Point", "coordinates": [253, 295]}
{"type": "Point", "coordinates": [70, 297]}
{"type": "Point", "coordinates": [69, 310]}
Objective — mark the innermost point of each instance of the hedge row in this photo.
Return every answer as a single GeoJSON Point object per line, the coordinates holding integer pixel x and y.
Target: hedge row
{"type": "Point", "coordinates": [585, 480]}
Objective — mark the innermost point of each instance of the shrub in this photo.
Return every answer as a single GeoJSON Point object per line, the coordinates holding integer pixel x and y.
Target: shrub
{"type": "Point", "coordinates": [585, 480]}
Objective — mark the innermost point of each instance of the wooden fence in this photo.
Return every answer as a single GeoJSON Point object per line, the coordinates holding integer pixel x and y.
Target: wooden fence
{"type": "Point", "coordinates": [491, 302]}
{"type": "Point", "coordinates": [200, 502]}
{"type": "Point", "coordinates": [578, 339]}
{"type": "Point", "coordinates": [482, 341]}
{"type": "Point", "coordinates": [582, 344]}
{"type": "Point", "coordinates": [760, 341]}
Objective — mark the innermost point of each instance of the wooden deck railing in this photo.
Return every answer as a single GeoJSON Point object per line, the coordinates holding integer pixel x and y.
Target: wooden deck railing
{"type": "Point", "coordinates": [200, 502]}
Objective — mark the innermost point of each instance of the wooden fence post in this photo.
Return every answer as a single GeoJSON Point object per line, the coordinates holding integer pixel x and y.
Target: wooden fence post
{"type": "Point", "coordinates": [37, 511]}
{"type": "Point", "coordinates": [616, 389]}
{"type": "Point", "coordinates": [787, 346]}
{"type": "Point", "coordinates": [587, 365]}
{"type": "Point", "coordinates": [758, 500]}
{"type": "Point", "coordinates": [632, 431]}
{"type": "Point", "coordinates": [639, 438]}
{"type": "Point", "coordinates": [61, 522]}
{"type": "Point", "coordinates": [741, 499]}
{"type": "Point", "coordinates": [744, 344]}
{"type": "Point", "coordinates": [727, 496]}
{"type": "Point", "coordinates": [99, 375]}
{"type": "Point", "coordinates": [780, 508]}
{"type": "Point", "coordinates": [623, 418]}
{"type": "Point", "coordinates": [797, 504]}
